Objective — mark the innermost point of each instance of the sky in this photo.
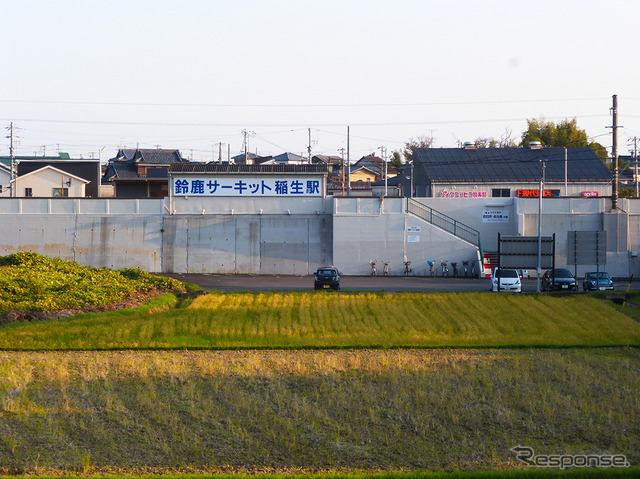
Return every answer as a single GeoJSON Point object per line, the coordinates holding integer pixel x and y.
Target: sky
{"type": "Point", "coordinates": [88, 77]}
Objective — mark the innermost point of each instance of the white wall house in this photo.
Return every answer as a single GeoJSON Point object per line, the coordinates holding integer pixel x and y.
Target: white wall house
{"type": "Point", "coordinates": [50, 182]}
{"type": "Point", "coordinates": [5, 179]}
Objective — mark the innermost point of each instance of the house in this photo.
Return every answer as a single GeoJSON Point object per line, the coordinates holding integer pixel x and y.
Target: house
{"type": "Point", "coordinates": [377, 165]}
{"type": "Point", "coordinates": [290, 159]}
{"type": "Point", "coordinates": [5, 179]}
{"type": "Point", "coordinates": [250, 159]}
{"type": "Point", "coordinates": [85, 169]}
{"type": "Point", "coordinates": [333, 162]}
{"type": "Point", "coordinates": [48, 182]}
{"type": "Point", "coordinates": [141, 173]}
{"type": "Point", "coordinates": [505, 172]}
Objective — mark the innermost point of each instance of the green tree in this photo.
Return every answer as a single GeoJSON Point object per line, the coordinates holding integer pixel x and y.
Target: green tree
{"type": "Point", "coordinates": [397, 160]}
{"type": "Point", "coordinates": [564, 134]}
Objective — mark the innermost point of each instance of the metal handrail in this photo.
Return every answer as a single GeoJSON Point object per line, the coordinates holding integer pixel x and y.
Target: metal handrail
{"type": "Point", "coordinates": [445, 223]}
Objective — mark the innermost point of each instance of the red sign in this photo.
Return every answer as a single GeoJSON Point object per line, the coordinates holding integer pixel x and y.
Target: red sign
{"type": "Point", "coordinates": [590, 194]}
{"type": "Point", "coordinates": [536, 193]}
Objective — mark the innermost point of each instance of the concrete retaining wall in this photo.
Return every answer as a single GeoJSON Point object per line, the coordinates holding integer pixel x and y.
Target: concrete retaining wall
{"type": "Point", "coordinates": [295, 236]}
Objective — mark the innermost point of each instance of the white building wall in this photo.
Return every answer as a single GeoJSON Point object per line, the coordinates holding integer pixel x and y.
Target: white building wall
{"type": "Point", "coordinates": [43, 182]}
{"type": "Point", "coordinates": [483, 189]}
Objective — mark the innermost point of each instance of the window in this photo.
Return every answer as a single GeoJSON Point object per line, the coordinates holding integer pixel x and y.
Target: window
{"type": "Point", "coordinates": [60, 192]}
{"type": "Point", "coordinates": [500, 192]}
{"type": "Point", "coordinates": [28, 192]}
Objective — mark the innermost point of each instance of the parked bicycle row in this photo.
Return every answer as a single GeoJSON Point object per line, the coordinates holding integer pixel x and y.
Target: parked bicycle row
{"type": "Point", "coordinates": [468, 269]}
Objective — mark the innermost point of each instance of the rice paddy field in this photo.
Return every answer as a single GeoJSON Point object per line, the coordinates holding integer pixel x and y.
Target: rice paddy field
{"type": "Point", "coordinates": [308, 320]}
{"type": "Point", "coordinates": [305, 411]}
{"type": "Point", "coordinates": [308, 384]}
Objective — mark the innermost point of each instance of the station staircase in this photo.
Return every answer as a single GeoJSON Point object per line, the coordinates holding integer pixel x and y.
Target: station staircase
{"type": "Point", "coordinates": [445, 223]}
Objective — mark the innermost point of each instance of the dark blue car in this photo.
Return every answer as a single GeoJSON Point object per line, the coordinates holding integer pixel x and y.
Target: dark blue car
{"type": "Point", "coordinates": [594, 281]}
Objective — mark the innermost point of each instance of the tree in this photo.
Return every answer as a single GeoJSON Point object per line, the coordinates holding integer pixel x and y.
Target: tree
{"type": "Point", "coordinates": [564, 134]}
{"type": "Point", "coordinates": [413, 144]}
{"type": "Point", "coordinates": [396, 160]}
{"type": "Point", "coordinates": [505, 141]}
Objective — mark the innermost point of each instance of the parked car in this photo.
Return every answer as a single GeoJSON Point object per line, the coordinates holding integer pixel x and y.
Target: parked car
{"type": "Point", "coordinates": [509, 280]}
{"type": "Point", "coordinates": [325, 278]}
{"type": "Point", "coordinates": [597, 280]}
{"type": "Point", "coordinates": [559, 279]}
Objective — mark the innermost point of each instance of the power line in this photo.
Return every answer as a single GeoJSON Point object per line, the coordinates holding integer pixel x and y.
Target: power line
{"type": "Point", "coordinates": [239, 125]}
{"type": "Point", "coordinates": [301, 105]}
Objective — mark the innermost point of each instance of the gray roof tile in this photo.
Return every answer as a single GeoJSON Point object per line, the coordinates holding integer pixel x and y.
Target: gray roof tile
{"type": "Point", "coordinates": [509, 164]}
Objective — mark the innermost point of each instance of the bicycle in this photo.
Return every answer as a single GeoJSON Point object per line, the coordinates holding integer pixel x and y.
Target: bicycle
{"type": "Point", "coordinates": [407, 270]}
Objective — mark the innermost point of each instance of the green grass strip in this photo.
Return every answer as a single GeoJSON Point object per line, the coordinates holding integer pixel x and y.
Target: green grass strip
{"type": "Point", "coordinates": [320, 320]}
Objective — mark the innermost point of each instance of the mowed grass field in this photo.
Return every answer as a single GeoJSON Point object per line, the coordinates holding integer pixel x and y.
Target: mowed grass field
{"type": "Point", "coordinates": [297, 411]}
{"type": "Point", "coordinates": [341, 320]}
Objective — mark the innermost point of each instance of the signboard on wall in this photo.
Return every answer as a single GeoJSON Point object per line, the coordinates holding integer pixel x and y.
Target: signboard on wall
{"type": "Point", "coordinates": [463, 194]}
{"type": "Point", "coordinates": [535, 193]}
{"type": "Point", "coordinates": [247, 186]}
{"type": "Point", "coordinates": [495, 215]}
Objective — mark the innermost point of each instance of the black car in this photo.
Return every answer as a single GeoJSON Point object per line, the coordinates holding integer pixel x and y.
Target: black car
{"type": "Point", "coordinates": [326, 278]}
{"type": "Point", "coordinates": [559, 280]}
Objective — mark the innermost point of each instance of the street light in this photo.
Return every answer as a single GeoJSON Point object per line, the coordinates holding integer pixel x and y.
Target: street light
{"type": "Point", "coordinates": [410, 178]}
{"type": "Point", "coordinates": [539, 269]}
{"type": "Point", "coordinates": [411, 194]}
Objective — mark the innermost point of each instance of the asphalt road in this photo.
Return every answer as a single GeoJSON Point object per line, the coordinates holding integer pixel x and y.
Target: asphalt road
{"type": "Point", "coordinates": [239, 282]}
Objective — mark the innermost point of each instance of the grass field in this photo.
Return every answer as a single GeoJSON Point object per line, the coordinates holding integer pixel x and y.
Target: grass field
{"type": "Point", "coordinates": [347, 320]}
{"type": "Point", "coordinates": [137, 411]}
{"type": "Point", "coordinates": [306, 382]}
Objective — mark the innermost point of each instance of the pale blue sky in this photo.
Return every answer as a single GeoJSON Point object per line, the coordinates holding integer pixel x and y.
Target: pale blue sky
{"type": "Point", "coordinates": [91, 75]}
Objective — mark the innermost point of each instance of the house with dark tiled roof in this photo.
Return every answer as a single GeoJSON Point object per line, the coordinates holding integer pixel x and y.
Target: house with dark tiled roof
{"type": "Point", "coordinates": [86, 171]}
{"type": "Point", "coordinates": [141, 173]}
{"type": "Point", "coordinates": [377, 165]}
{"type": "Point", "coordinates": [505, 172]}
{"type": "Point", "coordinates": [333, 162]}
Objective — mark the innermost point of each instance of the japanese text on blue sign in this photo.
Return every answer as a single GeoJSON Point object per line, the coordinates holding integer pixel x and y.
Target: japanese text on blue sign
{"type": "Point", "coordinates": [247, 186]}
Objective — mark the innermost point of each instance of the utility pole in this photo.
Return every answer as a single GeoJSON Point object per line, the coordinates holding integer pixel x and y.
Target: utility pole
{"type": "Point", "coordinates": [348, 165]}
{"type": "Point", "coordinates": [614, 152]}
{"type": "Point", "coordinates": [309, 147]}
{"type": "Point", "coordinates": [219, 152]}
{"type": "Point", "coordinates": [247, 134]}
{"type": "Point", "coordinates": [12, 175]}
{"type": "Point", "coordinates": [540, 195]}
{"type": "Point", "coordinates": [383, 152]}
{"type": "Point", "coordinates": [341, 150]}
{"type": "Point", "coordinates": [635, 160]}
